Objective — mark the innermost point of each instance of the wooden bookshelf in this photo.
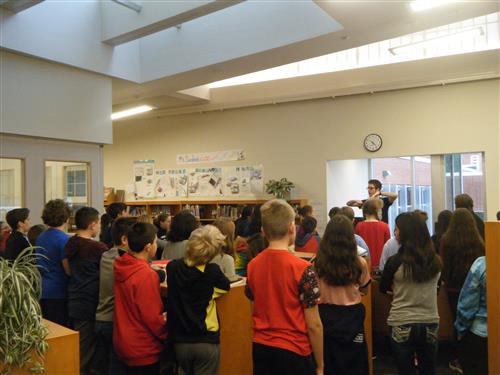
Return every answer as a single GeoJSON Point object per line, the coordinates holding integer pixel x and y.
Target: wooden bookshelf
{"type": "Point", "coordinates": [206, 210]}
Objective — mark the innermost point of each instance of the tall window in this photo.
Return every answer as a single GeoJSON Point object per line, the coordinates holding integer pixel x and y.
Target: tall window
{"type": "Point", "coordinates": [410, 177]}
{"type": "Point", "coordinates": [76, 181]}
{"type": "Point", "coordinates": [68, 181]}
{"type": "Point", "coordinates": [464, 174]}
{"type": "Point", "coordinates": [11, 185]}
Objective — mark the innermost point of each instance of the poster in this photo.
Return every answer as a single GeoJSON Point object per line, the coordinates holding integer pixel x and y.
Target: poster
{"type": "Point", "coordinates": [210, 157]}
{"type": "Point", "coordinates": [171, 183]}
{"type": "Point", "coordinates": [244, 181]}
{"type": "Point", "coordinates": [205, 182]}
{"type": "Point", "coordinates": [144, 178]}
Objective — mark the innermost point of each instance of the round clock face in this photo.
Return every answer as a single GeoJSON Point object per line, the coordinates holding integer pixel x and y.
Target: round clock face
{"type": "Point", "coordinates": [372, 142]}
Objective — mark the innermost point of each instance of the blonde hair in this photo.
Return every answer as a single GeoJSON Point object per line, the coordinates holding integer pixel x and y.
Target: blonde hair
{"type": "Point", "coordinates": [145, 219]}
{"type": "Point", "coordinates": [277, 215]}
{"type": "Point", "coordinates": [226, 227]}
{"type": "Point", "coordinates": [203, 245]}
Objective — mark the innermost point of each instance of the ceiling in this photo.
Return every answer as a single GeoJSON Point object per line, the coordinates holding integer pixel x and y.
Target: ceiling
{"type": "Point", "coordinates": [165, 54]}
{"type": "Point", "coordinates": [363, 23]}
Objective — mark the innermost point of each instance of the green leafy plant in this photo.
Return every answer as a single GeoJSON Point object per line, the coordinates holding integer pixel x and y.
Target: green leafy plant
{"type": "Point", "coordinates": [279, 188]}
{"type": "Point", "coordinates": [22, 332]}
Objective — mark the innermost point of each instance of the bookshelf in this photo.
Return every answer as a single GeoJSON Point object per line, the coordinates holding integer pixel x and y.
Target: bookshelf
{"type": "Point", "coordinates": [206, 210]}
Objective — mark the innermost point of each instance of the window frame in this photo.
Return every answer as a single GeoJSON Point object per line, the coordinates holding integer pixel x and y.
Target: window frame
{"type": "Point", "coordinates": [88, 165]}
{"type": "Point", "coordinates": [23, 176]}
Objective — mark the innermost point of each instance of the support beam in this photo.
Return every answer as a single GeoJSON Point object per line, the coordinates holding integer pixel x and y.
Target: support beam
{"type": "Point", "coordinates": [17, 6]}
{"type": "Point", "coordinates": [119, 25]}
{"type": "Point", "coordinates": [129, 4]}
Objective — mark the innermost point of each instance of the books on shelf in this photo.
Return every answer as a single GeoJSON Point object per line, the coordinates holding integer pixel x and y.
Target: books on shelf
{"type": "Point", "coordinates": [138, 210]}
{"type": "Point", "coordinates": [162, 209]}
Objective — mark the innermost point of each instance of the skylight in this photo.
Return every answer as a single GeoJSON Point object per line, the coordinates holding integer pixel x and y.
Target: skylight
{"type": "Point", "coordinates": [472, 35]}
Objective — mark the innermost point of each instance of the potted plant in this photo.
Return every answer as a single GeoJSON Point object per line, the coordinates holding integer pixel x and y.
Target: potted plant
{"type": "Point", "coordinates": [22, 332]}
{"type": "Point", "coordinates": [279, 188]}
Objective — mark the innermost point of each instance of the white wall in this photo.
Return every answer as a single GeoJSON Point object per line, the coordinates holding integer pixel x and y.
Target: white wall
{"type": "Point", "coordinates": [36, 151]}
{"type": "Point", "coordinates": [295, 140]}
{"type": "Point", "coordinates": [48, 100]}
{"type": "Point", "coordinates": [346, 180]}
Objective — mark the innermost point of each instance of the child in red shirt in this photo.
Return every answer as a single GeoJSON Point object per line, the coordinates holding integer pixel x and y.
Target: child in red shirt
{"type": "Point", "coordinates": [285, 292]}
{"type": "Point", "coordinates": [139, 321]}
{"type": "Point", "coordinates": [308, 241]}
{"type": "Point", "coordinates": [375, 233]}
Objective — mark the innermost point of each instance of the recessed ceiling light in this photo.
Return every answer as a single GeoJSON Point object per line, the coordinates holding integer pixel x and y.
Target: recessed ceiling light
{"type": "Point", "coordinates": [131, 111]}
{"type": "Point", "coordinates": [419, 5]}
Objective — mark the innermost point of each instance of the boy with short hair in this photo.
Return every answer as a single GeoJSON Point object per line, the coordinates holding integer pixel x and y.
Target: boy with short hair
{"type": "Point", "coordinates": [84, 254]}
{"type": "Point", "coordinates": [375, 232]}
{"type": "Point", "coordinates": [285, 294]}
{"type": "Point", "coordinates": [53, 265]}
{"type": "Point", "coordinates": [114, 211]}
{"type": "Point", "coordinates": [106, 306]}
{"type": "Point", "coordinates": [19, 220]}
{"type": "Point", "coordinates": [139, 328]}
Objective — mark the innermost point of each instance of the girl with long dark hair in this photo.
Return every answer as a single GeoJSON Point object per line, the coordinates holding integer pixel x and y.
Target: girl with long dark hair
{"type": "Point", "coordinates": [461, 245]}
{"type": "Point", "coordinates": [412, 275]}
{"type": "Point", "coordinates": [341, 274]}
{"type": "Point", "coordinates": [440, 228]}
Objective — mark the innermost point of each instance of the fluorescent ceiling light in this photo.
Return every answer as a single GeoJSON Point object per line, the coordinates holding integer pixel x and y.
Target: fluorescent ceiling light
{"type": "Point", "coordinates": [419, 5]}
{"type": "Point", "coordinates": [131, 112]}
{"type": "Point", "coordinates": [455, 37]}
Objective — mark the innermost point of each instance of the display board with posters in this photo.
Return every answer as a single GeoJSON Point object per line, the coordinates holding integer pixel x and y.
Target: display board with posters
{"type": "Point", "coordinates": [205, 182]}
{"type": "Point", "coordinates": [244, 181]}
{"type": "Point", "coordinates": [237, 181]}
{"type": "Point", "coordinates": [171, 183]}
{"type": "Point", "coordinates": [144, 178]}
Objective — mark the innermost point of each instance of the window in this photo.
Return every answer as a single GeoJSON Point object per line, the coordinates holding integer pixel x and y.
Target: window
{"type": "Point", "coordinates": [76, 181]}
{"type": "Point", "coordinates": [410, 177]}
{"type": "Point", "coordinates": [68, 181]}
{"type": "Point", "coordinates": [464, 174]}
{"type": "Point", "coordinates": [11, 185]}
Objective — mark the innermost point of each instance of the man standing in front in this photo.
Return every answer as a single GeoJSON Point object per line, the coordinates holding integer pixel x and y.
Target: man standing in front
{"type": "Point", "coordinates": [375, 191]}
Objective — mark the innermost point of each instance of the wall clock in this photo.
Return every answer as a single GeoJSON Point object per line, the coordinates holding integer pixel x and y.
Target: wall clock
{"type": "Point", "coordinates": [372, 142]}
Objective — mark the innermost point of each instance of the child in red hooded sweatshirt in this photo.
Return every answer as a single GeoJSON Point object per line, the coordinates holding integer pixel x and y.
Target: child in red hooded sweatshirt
{"type": "Point", "coordinates": [139, 321]}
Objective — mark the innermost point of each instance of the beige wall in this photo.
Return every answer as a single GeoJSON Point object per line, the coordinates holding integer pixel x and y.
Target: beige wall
{"type": "Point", "coordinates": [294, 140]}
{"type": "Point", "coordinates": [43, 99]}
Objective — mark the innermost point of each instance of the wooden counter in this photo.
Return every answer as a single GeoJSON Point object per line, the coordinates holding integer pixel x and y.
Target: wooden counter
{"type": "Point", "coordinates": [62, 356]}
{"type": "Point", "coordinates": [235, 316]}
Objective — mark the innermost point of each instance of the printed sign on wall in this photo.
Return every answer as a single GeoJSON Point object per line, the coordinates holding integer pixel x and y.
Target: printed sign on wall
{"type": "Point", "coordinates": [210, 157]}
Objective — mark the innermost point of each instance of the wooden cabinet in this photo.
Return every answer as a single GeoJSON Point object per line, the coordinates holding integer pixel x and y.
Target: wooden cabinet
{"type": "Point", "coordinates": [62, 356]}
{"type": "Point", "coordinates": [493, 295]}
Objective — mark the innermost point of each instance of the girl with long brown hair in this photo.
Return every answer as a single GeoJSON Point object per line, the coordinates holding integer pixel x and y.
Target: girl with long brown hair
{"type": "Point", "coordinates": [461, 245]}
{"type": "Point", "coordinates": [225, 259]}
{"type": "Point", "coordinates": [412, 275]}
{"type": "Point", "coordinates": [341, 274]}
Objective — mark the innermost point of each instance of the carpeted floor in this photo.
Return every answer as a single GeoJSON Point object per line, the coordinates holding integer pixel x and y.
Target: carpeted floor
{"type": "Point", "coordinates": [383, 363]}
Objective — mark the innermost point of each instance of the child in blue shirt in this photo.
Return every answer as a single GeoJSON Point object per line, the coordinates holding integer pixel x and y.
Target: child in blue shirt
{"type": "Point", "coordinates": [471, 323]}
{"type": "Point", "coordinates": [54, 266]}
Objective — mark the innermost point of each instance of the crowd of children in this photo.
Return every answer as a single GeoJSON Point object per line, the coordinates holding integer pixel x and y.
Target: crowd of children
{"type": "Point", "coordinates": [307, 316]}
